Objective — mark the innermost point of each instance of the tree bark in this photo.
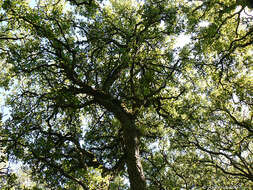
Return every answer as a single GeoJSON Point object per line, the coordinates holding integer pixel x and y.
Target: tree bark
{"type": "Point", "coordinates": [132, 152]}
{"type": "Point", "coordinates": [130, 135]}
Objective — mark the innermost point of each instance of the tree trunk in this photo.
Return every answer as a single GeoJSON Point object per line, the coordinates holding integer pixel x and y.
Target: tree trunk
{"type": "Point", "coordinates": [131, 139]}
{"type": "Point", "coordinates": [134, 166]}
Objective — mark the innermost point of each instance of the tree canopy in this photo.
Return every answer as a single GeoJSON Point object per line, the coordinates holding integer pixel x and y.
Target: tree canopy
{"type": "Point", "coordinates": [101, 96]}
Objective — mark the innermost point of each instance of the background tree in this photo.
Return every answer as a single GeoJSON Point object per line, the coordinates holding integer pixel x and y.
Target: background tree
{"type": "Point", "coordinates": [102, 94]}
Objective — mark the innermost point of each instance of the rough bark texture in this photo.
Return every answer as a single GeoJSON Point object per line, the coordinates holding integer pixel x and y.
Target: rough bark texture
{"type": "Point", "coordinates": [134, 166]}
{"type": "Point", "coordinates": [132, 151]}
{"type": "Point", "coordinates": [131, 140]}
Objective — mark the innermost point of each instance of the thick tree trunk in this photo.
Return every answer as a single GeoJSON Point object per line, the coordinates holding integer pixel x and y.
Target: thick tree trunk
{"type": "Point", "coordinates": [134, 166]}
{"type": "Point", "coordinates": [131, 139]}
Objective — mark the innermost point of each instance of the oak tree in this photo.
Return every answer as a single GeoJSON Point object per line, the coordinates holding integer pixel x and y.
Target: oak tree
{"type": "Point", "coordinates": [101, 93]}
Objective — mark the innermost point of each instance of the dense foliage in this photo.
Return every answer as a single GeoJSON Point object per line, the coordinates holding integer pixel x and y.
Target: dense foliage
{"type": "Point", "coordinates": [99, 93]}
